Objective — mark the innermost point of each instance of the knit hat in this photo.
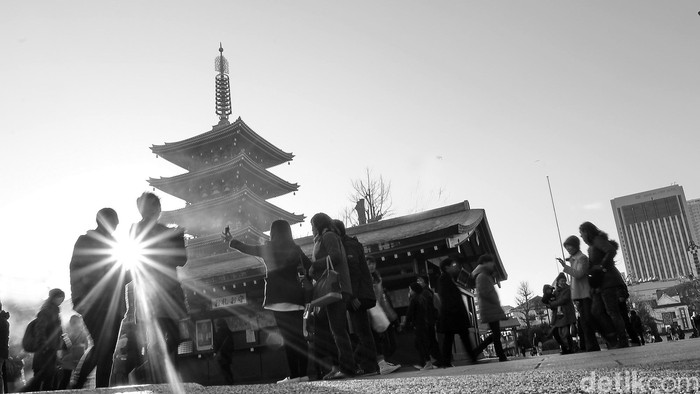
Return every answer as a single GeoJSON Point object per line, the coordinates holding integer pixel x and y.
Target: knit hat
{"type": "Point", "coordinates": [55, 293]}
{"type": "Point", "coordinates": [573, 241]}
{"type": "Point", "coordinates": [560, 276]}
{"type": "Point", "coordinates": [416, 287]}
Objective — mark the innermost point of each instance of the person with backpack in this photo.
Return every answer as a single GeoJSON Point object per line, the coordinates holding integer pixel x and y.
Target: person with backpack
{"type": "Point", "coordinates": [45, 336]}
{"type": "Point", "coordinates": [607, 285]}
{"type": "Point", "coordinates": [362, 299]}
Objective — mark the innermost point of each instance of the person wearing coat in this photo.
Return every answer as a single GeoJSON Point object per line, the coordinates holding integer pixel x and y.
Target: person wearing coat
{"type": "Point", "coordinates": [284, 294]}
{"type": "Point", "coordinates": [453, 314]}
{"type": "Point", "coordinates": [48, 333]}
{"type": "Point", "coordinates": [607, 285]}
{"type": "Point", "coordinates": [363, 299]}
{"type": "Point", "coordinates": [580, 290]}
{"type": "Point", "coordinates": [328, 243]}
{"type": "Point", "coordinates": [566, 314]}
{"type": "Point", "coordinates": [489, 304]}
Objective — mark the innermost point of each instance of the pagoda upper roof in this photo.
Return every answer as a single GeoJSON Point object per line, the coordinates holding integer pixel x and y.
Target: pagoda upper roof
{"type": "Point", "coordinates": [226, 177]}
{"type": "Point", "coordinates": [242, 208]}
{"type": "Point", "coordinates": [204, 149]}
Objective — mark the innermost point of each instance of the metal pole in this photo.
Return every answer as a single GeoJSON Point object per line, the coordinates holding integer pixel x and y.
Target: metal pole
{"type": "Point", "coordinates": [556, 220]}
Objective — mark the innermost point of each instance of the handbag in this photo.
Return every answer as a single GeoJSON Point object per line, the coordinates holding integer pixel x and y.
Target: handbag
{"type": "Point", "coordinates": [378, 319]}
{"type": "Point", "coordinates": [327, 289]}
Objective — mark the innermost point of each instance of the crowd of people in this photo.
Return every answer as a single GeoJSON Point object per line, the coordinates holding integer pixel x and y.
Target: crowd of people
{"type": "Point", "coordinates": [351, 335]}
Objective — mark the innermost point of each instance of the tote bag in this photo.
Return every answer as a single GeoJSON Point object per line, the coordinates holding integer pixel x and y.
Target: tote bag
{"type": "Point", "coordinates": [327, 288]}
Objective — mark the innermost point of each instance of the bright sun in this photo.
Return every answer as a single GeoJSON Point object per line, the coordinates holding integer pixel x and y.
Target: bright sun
{"type": "Point", "coordinates": [128, 252]}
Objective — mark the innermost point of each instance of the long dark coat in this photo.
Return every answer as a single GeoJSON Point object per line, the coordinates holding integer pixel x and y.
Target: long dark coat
{"type": "Point", "coordinates": [453, 313]}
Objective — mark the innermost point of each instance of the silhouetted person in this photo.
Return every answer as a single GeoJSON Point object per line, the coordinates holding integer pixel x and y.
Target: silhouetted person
{"type": "Point", "coordinates": [606, 283]}
{"type": "Point", "coordinates": [4, 347]}
{"type": "Point", "coordinates": [565, 313]}
{"type": "Point", "coordinates": [454, 317]}
{"type": "Point", "coordinates": [489, 304]}
{"type": "Point", "coordinates": [432, 302]}
{"type": "Point", "coordinates": [328, 243]}
{"type": "Point", "coordinates": [419, 316]}
{"type": "Point", "coordinates": [48, 333]}
{"type": "Point", "coordinates": [284, 294]}
{"type": "Point", "coordinates": [362, 299]}
{"type": "Point", "coordinates": [75, 341]}
{"type": "Point", "coordinates": [223, 347]}
{"type": "Point", "coordinates": [637, 326]}
{"type": "Point", "coordinates": [156, 278]}
{"type": "Point", "coordinates": [580, 291]}
{"type": "Point", "coordinates": [97, 289]}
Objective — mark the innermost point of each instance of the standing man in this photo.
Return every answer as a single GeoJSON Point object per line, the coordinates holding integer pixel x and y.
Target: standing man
{"type": "Point", "coordinates": [4, 347]}
{"type": "Point", "coordinates": [163, 250]}
{"type": "Point", "coordinates": [97, 289]}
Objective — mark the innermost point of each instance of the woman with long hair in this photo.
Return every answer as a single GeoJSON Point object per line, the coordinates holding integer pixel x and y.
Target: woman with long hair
{"type": "Point", "coordinates": [607, 285]}
{"type": "Point", "coordinates": [328, 243]}
{"type": "Point", "coordinates": [284, 294]}
{"type": "Point", "coordinates": [489, 304]}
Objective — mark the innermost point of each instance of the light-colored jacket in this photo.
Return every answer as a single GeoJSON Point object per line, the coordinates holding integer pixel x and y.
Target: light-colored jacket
{"type": "Point", "coordinates": [578, 270]}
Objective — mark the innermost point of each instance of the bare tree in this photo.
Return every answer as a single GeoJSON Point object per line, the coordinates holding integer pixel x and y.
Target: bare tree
{"type": "Point", "coordinates": [376, 193]}
{"type": "Point", "coordinates": [523, 299]}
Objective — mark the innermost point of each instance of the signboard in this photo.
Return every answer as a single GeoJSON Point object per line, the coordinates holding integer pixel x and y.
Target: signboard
{"type": "Point", "coordinates": [205, 335]}
{"type": "Point", "coordinates": [231, 300]}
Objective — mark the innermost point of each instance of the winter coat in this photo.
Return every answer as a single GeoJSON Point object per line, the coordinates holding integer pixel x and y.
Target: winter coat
{"type": "Point", "coordinates": [48, 332]}
{"type": "Point", "coordinates": [562, 299]}
{"type": "Point", "coordinates": [603, 272]}
{"type": "Point", "coordinates": [283, 263]}
{"type": "Point", "coordinates": [4, 335]}
{"type": "Point", "coordinates": [453, 313]}
{"type": "Point", "coordinates": [637, 323]}
{"type": "Point", "coordinates": [580, 288]}
{"type": "Point", "coordinates": [360, 278]}
{"type": "Point", "coordinates": [489, 303]}
{"type": "Point", "coordinates": [165, 252]}
{"type": "Point", "coordinates": [328, 244]}
{"type": "Point", "coordinates": [92, 264]}
{"type": "Point", "coordinates": [418, 314]}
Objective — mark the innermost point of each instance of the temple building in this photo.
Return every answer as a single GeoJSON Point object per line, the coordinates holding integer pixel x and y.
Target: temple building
{"type": "Point", "coordinates": [226, 185]}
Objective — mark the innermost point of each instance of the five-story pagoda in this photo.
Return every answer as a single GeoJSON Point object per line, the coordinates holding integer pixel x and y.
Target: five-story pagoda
{"type": "Point", "coordinates": [227, 183]}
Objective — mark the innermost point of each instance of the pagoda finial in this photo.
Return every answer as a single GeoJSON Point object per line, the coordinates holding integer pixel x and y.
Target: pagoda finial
{"type": "Point", "coordinates": [223, 91]}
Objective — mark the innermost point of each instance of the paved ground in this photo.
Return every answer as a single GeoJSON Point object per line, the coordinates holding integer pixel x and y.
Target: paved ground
{"type": "Point", "coordinates": [667, 367]}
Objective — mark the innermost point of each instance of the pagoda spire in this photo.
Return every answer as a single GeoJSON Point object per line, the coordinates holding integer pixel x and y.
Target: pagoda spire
{"type": "Point", "coordinates": [223, 90]}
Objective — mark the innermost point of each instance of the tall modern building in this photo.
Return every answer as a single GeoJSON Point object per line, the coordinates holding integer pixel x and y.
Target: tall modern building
{"type": "Point", "coordinates": [655, 233]}
{"type": "Point", "coordinates": [694, 216]}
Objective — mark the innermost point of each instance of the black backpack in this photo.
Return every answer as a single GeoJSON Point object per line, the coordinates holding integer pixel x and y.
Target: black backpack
{"type": "Point", "coordinates": [30, 340]}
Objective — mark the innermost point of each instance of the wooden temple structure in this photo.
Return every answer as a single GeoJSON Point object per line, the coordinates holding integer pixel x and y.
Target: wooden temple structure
{"type": "Point", "coordinates": [227, 183]}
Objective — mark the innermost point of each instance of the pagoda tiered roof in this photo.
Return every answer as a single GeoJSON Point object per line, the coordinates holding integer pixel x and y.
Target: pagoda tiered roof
{"type": "Point", "coordinates": [243, 208]}
{"type": "Point", "coordinates": [222, 142]}
{"type": "Point", "coordinates": [227, 177]}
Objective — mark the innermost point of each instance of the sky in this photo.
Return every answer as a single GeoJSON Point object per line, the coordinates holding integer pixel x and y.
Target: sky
{"type": "Point", "coordinates": [449, 100]}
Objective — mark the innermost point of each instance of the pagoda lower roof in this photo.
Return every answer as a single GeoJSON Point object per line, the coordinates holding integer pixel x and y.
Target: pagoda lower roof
{"type": "Point", "coordinates": [239, 170]}
{"type": "Point", "coordinates": [243, 206]}
{"type": "Point", "coordinates": [209, 245]}
{"type": "Point", "coordinates": [178, 152]}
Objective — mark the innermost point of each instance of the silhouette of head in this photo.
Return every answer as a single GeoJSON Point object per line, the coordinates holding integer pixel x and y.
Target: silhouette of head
{"type": "Point", "coordinates": [149, 206]}
{"type": "Point", "coordinates": [281, 231]}
{"type": "Point", "coordinates": [107, 219]}
{"type": "Point", "coordinates": [321, 222]}
{"type": "Point", "coordinates": [340, 226]}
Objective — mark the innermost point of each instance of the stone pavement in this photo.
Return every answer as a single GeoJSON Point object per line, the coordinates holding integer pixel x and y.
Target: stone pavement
{"type": "Point", "coordinates": [665, 367]}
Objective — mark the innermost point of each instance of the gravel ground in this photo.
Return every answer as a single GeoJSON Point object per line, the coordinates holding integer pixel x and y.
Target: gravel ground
{"type": "Point", "coordinates": [600, 380]}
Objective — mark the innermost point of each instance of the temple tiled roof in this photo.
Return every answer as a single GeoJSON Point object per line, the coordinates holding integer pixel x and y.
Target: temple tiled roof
{"type": "Point", "coordinates": [227, 177]}
{"type": "Point", "coordinates": [193, 153]}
